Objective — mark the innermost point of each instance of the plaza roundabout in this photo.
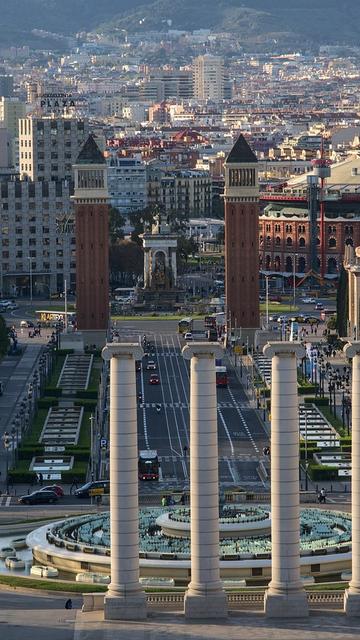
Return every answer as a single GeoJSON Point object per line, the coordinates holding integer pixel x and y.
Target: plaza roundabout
{"type": "Point", "coordinates": [83, 543]}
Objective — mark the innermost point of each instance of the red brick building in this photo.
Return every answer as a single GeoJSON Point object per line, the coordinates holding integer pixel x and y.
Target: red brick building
{"type": "Point", "coordinates": [242, 236]}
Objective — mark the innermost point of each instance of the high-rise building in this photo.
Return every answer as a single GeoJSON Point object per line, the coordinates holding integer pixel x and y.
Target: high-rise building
{"type": "Point", "coordinates": [208, 76]}
{"type": "Point", "coordinates": [49, 147]}
{"type": "Point", "coordinates": [242, 236]}
{"type": "Point", "coordinates": [11, 110]}
{"type": "Point", "coordinates": [162, 85]}
{"type": "Point", "coordinates": [92, 242]}
{"type": "Point", "coordinates": [127, 180]}
{"type": "Point", "coordinates": [6, 85]}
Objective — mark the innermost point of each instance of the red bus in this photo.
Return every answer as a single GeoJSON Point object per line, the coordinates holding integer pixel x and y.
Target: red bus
{"type": "Point", "coordinates": [221, 377]}
{"type": "Point", "coordinates": [148, 466]}
{"type": "Point", "coordinates": [210, 322]}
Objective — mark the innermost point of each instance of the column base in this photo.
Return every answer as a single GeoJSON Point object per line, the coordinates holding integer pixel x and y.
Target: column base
{"type": "Point", "coordinates": [205, 606]}
{"type": "Point", "coordinates": [352, 603]}
{"type": "Point", "coordinates": [131, 607]}
{"type": "Point", "coordinates": [291, 604]}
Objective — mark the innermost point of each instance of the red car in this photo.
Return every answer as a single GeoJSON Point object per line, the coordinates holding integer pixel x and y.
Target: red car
{"type": "Point", "coordinates": [154, 379]}
{"type": "Point", "coordinates": [55, 488]}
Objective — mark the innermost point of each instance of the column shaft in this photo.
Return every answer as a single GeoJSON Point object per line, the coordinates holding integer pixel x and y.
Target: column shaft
{"type": "Point", "coordinates": [124, 508]}
{"type": "Point", "coordinates": [285, 596]}
{"type": "Point", "coordinates": [124, 599]}
{"type": "Point", "coordinates": [205, 597]}
{"type": "Point", "coordinates": [352, 595]}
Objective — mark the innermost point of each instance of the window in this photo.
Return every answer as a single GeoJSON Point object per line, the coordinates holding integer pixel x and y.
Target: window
{"type": "Point", "coordinates": [289, 241]}
{"type": "Point", "coordinates": [332, 243]}
{"type": "Point", "coordinates": [277, 240]}
{"type": "Point", "coordinates": [301, 242]}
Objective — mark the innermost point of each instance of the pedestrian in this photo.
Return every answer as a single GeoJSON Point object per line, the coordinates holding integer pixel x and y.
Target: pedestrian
{"type": "Point", "coordinates": [323, 495]}
{"type": "Point", "coordinates": [41, 479]}
{"type": "Point", "coordinates": [68, 604]}
{"type": "Point", "coordinates": [163, 501]}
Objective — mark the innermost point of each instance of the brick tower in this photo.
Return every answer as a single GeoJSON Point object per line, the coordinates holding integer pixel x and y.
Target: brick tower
{"type": "Point", "coordinates": [92, 243]}
{"type": "Point", "coordinates": [242, 236]}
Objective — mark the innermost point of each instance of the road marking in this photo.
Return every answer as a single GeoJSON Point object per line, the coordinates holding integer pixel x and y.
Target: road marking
{"type": "Point", "coordinates": [226, 431]}
{"type": "Point", "coordinates": [144, 411]}
{"type": "Point", "coordinates": [5, 501]}
{"type": "Point", "coordinates": [244, 423]}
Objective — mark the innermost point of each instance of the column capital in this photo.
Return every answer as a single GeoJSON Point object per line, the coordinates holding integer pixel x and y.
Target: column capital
{"type": "Point", "coordinates": [284, 349]}
{"type": "Point", "coordinates": [202, 350]}
{"type": "Point", "coordinates": [352, 349]}
{"type": "Point", "coordinates": [122, 350]}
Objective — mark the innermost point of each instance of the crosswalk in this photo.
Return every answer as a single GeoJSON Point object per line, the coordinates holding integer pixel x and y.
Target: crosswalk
{"type": "Point", "coordinates": [5, 501]}
{"type": "Point", "coordinates": [185, 405]}
{"type": "Point", "coordinates": [241, 457]}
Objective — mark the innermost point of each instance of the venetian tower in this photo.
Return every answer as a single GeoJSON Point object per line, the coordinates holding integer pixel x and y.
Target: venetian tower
{"type": "Point", "coordinates": [92, 243]}
{"type": "Point", "coordinates": [242, 236]}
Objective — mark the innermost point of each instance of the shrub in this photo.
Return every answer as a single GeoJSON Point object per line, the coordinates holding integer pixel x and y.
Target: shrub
{"type": "Point", "coordinates": [46, 403]}
{"type": "Point", "coordinates": [52, 391]}
{"type": "Point", "coordinates": [64, 352]}
{"type": "Point", "coordinates": [307, 388]}
{"type": "Point", "coordinates": [89, 405]}
{"type": "Point", "coordinates": [320, 402]}
{"type": "Point", "coordinates": [87, 394]}
{"type": "Point", "coordinates": [22, 476]}
{"type": "Point", "coordinates": [322, 472]}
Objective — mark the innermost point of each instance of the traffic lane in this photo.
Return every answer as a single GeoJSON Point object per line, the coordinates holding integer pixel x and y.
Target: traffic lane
{"type": "Point", "coordinates": [33, 617]}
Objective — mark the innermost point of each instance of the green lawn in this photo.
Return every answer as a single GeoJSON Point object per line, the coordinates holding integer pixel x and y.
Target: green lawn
{"type": "Point", "coordinates": [277, 307]}
{"type": "Point", "coordinates": [157, 317]}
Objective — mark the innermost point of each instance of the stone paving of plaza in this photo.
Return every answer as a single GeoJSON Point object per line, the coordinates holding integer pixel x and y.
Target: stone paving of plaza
{"type": "Point", "coordinates": [243, 626]}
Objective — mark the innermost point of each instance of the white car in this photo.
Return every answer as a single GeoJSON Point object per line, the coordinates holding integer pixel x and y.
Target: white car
{"type": "Point", "coordinates": [151, 366]}
{"type": "Point", "coordinates": [308, 301]}
{"type": "Point", "coordinates": [188, 336]}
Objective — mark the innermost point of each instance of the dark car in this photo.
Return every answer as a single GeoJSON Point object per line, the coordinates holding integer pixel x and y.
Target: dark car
{"type": "Point", "coordinates": [102, 486]}
{"type": "Point", "coordinates": [39, 497]}
{"type": "Point", "coordinates": [154, 379]}
{"type": "Point", "coordinates": [56, 488]}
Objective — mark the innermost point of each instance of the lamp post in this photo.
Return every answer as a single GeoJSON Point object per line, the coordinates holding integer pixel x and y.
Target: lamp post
{"type": "Point", "coordinates": [92, 447]}
{"type": "Point", "coordinates": [267, 300]}
{"type": "Point", "coordinates": [294, 280]}
{"type": "Point", "coordinates": [30, 280]}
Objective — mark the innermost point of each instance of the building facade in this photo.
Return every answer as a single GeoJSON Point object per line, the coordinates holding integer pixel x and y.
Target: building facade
{"type": "Point", "coordinates": [188, 193]}
{"type": "Point", "coordinates": [48, 147]}
{"type": "Point", "coordinates": [37, 238]}
{"type": "Point", "coordinates": [127, 183]}
{"type": "Point", "coordinates": [208, 77]}
{"type": "Point", "coordinates": [242, 236]}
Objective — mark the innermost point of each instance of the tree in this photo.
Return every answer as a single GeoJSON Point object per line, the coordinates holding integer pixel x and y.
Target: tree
{"type": "Point", "coordinates": [342, 301]}
{"type": "Point", "coordinates": [4, 337]}
{"type": "Point", "coordinates": [125, 257]}
{"type": "Point", "coordinates": [116, 223]}
{"type": "Point", "coordinates": [186, 247]}
{"type": "Point", "coordinates": [139, 220]}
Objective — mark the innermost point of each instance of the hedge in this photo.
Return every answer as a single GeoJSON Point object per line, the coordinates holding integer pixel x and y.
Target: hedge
{"type": "Point", "coordinates": [320, 402]}
{"type": "Point", "coordinates": [52, 391]}
{"type": "Point", "coordinates": [87, 394]}
{"type": "Point", "coordinates": [64, 352]}
{"type": "Point", "coordinates": [22, 476]}
{"type": "Point", "coordinates": [322, 472]}
{"type": "Point", "coordinates": [305, 389]}
{"type": "Point", "coordinates": [89, 405]}
{"type": "Point", "coordinates": [46, 403]}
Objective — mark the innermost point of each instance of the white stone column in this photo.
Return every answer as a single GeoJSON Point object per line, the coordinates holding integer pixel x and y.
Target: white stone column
{"type": "Point", "coordinates": [146, 268]}
{"type": "Point", "coordinates": [174, 266]}
{"type": "Point", "coordinates": [205, 597]}
{"type": "Point", "coordinates": [125, 600]}
{"type": "Point", "coordinates": [352, 594]}
{"type": "Point", "coordinates": [285, 597]}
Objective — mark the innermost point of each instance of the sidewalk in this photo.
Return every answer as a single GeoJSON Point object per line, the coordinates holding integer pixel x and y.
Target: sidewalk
{"type": "Point", "coordinates": [15, 372]}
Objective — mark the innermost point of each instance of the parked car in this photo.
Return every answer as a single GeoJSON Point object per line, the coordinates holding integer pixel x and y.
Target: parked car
{"type": "Point", "coordinates": [154, 379]}
{"type": "Point", "coordinates": [319, 306]}
{"type": "Point", "coordinates": [26, 324]}
{"type": "Point", "coordinates": [188, 335]}
{"type": "Point", "coordinates": [39, 497]}
{"type": "Point", "coordinates": [151, 366]}
{"type": "Point", "coordinates": [308, 300]}
{"type": "Point", "coordinates": [85, 490]}
{"type": "Point", "coordinates": [56, 488]}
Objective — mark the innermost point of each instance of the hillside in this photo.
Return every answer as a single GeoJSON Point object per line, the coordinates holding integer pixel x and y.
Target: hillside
{"type": "Point", "coordinates": [327, 21]}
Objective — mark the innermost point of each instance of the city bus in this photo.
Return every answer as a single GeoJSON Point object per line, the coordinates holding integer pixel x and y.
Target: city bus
{"type": "Point", "coordinates": [185, 325]}
{"type": "Point", "coordinates": [148, 465]}
{"type": "Point", "coordinates": [210, 322]}
{"type": "Point", "coordinates": [124, 294]}
{"type": "Point", "coordinates": [221, 377]}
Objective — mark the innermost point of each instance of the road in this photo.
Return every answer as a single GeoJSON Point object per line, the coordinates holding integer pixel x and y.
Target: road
{"type": "Point", "coordinates": [241, 434]}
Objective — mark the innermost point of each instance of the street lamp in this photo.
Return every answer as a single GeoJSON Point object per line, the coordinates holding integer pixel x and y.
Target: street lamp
{"type": "Point", "coordinates": [294, 279]}
{"type": "Point", "coordinates": [30, 280]}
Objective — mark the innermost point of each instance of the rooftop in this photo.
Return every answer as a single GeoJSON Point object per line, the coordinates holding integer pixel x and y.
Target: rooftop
{"type": "Point", "coordinates": [90, 153]}
{"type": "Point", "coordinates": [241, 152]}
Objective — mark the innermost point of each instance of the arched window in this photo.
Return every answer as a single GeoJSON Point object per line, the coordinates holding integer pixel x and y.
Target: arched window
{"type": "Point", "coordinates": [289, 241]}
{"type": "Point", "coordinates": [277, 240]}
{"type": "Point", "coordinates": [268, 262]}
{"type": "Point", "coordinates": [289, 264]}
{"type": "Point", "coordinates": [301, 242]}
{"type": "Point", "coordinates": [277, 263]}
{"type": "Point", "coordinates": [332, 265]}
{"type": "Point", "coordinates": [268, 240]}
{"type": "Point", "coordinates": [317, 241]}
{"type": "Point", "coordinates": [349, 241]}
{"type": "Point", "coordinates": [302, 264]}
{"type": "Point", "coordinates": [332, 243]}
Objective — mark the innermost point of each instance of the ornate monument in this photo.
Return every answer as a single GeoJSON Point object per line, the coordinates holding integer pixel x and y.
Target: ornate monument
{"type": "Point", "coordinates": [160, 266]}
